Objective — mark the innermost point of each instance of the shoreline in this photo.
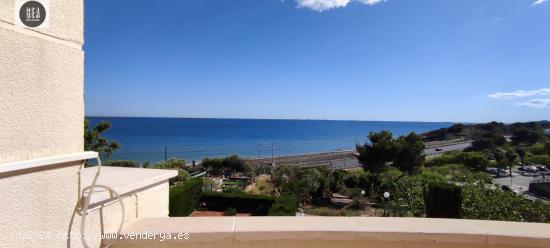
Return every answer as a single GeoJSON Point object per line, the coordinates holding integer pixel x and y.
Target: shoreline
{"type": "Point", "coordinates": [346, 158]}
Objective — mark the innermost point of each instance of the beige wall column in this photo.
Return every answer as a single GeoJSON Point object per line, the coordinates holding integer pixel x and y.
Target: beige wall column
{"type": "Point", "coordinates": [41, 115]}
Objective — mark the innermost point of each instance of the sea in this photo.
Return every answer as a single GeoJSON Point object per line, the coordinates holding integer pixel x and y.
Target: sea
{"type": "Point", "coordinates": [154, 139]}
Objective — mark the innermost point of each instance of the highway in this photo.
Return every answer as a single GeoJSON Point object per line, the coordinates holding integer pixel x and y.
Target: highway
{"type": "Point", "coordinates": [431, 152]}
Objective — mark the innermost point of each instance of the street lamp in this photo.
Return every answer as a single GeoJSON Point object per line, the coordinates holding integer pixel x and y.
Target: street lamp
{"type": "Point", "coordinates": [363, 195]}
{"type": "Point", "coordinates": [386, 199]}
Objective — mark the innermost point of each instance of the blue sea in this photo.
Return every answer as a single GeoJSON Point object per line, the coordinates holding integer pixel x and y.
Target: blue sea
{"type": "Point", "coordinates": [146, 139]}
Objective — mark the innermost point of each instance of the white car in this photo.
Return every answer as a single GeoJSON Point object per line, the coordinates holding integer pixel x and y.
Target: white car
{"type": "Point", "coordinates": [530, 168]}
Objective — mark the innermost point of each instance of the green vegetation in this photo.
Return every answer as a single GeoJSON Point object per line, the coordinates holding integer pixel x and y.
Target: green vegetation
{"type": "Point", "coordinates": [171, 163]}
{"type": "Point", "coordinates": [184, 198]}
{"type": "Point", "coordinates": [484, 203]}
{"type": "Point", "coordinates": [263, 186]}
{"type": "Point", "coordinates": [528, 132]}
{"type": "Point", "coordinates": [230, 212]}
{"type": "Point", "coordinates": [488, 142]}
{"type": "Point", "coordinates": [405, 152]}
{"type": "Point", "coordinates": [230, 164]}
{"type": "Point", "coordinates": [473, 160]}
{"type": "Point", "coordinates": [242, 202]}
{"type": "Point", "coordinates": [453, 185]}
{"type": "Point", "coordinates": [285, 205]}
{"type": "Point", "coordinates": [123, 163]}
{"type": "Point", "coordinates": [94, 141]}
{"type": "Point", "coordinates": [443, 200]}
{"type": "Point", "coordinates": [305, 183]}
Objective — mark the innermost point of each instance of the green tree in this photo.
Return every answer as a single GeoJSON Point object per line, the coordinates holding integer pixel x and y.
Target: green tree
{"type": "Point", "coordinates": [547, 148]}
{"type": "Point", "coordinates": [235, 164]}
{"type": "Point", "coordinates": [528, 136]}
{"type": "Point", "coordinates": [214, 166]}
{"type": "Point", "coordinates": [456, 128]}
{"type": "Point", "coordinates": [94, 141]}
{"type": "Point", "coordinates": [511, 158]}
{"type": "Point", "coordinates": [375, 155]}
{"type": "Point", "coordinates": [521, 151]}
{"type": "Point", "coordinates": [409, 155]}
{"type": "Point", "coordinates": [302, 182]}
{"type": "Point", "coordinates": [488, 141]}
{"type": "Point", "coordinates": [500, 158]}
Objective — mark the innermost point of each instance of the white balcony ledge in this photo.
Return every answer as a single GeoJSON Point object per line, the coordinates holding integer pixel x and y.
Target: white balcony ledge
{"type": "Point", "coordinates": [42, 163]}
{"type": "Point", "coordinates": [335, 232]}
{"type": "Point", "coordinates": [123, 180]}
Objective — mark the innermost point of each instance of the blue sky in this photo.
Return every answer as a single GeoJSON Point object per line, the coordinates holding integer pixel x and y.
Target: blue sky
{"type": "Point", "coordinates": [407, 60]}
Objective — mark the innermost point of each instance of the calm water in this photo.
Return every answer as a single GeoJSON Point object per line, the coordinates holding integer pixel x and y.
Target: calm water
{"type": "Point", "coordinates": [144, 139]}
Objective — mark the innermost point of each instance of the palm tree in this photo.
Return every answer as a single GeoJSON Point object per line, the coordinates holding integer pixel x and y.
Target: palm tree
{"type": "Point", "coordinates": [521, 151]}
{"type": "Point", "coordinates": [511, 157]}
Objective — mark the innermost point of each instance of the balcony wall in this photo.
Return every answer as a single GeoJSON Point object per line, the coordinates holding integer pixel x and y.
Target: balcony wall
{"type": "Point", "coordinates": [41, 115]}
{"type": "Point", "coordinates": [332, 232]}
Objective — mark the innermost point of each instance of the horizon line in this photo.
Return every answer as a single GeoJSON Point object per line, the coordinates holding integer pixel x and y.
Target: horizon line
{"type": "Point", "coordinates": [275, 119]}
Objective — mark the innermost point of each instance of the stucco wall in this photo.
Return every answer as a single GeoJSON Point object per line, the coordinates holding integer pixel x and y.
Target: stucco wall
{"type": "Point", "coordinates": [41, 115]}
{"type": "Point", "coordinates": [41, 82]}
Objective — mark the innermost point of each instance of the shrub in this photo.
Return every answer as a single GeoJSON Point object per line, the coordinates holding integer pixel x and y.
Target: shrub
{"type": "Point", "coordinates": [217, 166]}
{"type": "Point", "coordinates": [263, 186]}
{"type": "Point", "coordinates": [235, 163]}
{"type": "Point", "coordinates": [213, 165]}
{"type": "Point", "coordinates": [232, 189]}
{"type": "Point", "coordinates": [285, 205]}
{"type": "Point", "coordinates": [123, 163]}
{"type": "Point", "coordinates": [488, 204]}
{"type": "Point", "coordinates": [538, 159]}
{"type": "Point", "coordinates": [473, 160]}
{"type": "Point", "coordinates": [443, 200]}
{"type": "Point", "coordinates": [230, 212]}
{"type": "Point", "coordinates": [184, 198]}
{"type": "Point", "coordinates": [242, 202]}
{"type": "Point", "coordinates": [537, 149]}
{"type": "Point", "coordinates": [172, 163]}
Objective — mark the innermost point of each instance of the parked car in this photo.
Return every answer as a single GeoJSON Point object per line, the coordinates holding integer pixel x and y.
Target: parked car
{"type": "Point", "coordinates": [438, 149]}
{"type": "Point", "coordinates": [511, 188]}
{"type": "Point", "coordinates": [542, 168]}
{"type": "Point", "coordinates": [531, 168]}
{"type": "Point", "coordinates": [492, 170]}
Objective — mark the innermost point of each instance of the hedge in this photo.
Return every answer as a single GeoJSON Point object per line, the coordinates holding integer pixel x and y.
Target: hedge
{"type": "Point", "coordinates": [242, 202]}
{"type": "Point", "coordinates": [184, 198]}
{"type": "Point", "coordinates": [443, 200]}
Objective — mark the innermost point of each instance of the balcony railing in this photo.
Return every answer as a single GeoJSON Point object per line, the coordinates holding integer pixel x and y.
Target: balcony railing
{"type": "Point", "coordinates": [329, 232]}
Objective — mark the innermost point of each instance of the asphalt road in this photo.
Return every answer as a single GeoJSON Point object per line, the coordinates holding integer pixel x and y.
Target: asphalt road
{"type": "Point", "coordinates": [431, 152]}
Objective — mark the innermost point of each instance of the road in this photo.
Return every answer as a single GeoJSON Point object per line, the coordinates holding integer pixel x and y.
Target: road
{"type": "Point", "coordinates": [431, 152]}
{"type": "Point", "coordinates": [344, 159]}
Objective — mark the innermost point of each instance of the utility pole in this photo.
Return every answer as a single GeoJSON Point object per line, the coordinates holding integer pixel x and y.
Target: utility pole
{"type": "Point", "coordinates": [165, 153]}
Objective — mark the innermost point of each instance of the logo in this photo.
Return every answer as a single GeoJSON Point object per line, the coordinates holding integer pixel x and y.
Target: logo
{"type": "Point", "coordinates": [32, 14]}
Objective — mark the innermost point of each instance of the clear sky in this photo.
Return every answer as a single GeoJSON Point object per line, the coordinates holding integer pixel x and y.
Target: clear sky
{"type": "Point", "coordinates": [408, 60]}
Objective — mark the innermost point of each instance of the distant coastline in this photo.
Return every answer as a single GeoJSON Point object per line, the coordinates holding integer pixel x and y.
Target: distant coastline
{"type": "Point", "coordinates": [152, 139]}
